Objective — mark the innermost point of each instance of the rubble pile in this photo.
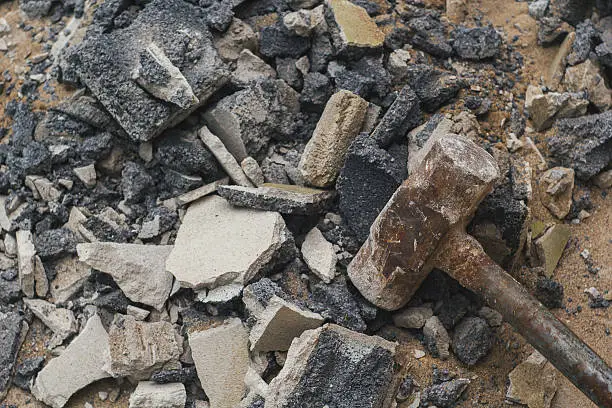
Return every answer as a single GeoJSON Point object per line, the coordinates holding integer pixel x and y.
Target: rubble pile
{"type": "Point", "coordinates": [183, 222]}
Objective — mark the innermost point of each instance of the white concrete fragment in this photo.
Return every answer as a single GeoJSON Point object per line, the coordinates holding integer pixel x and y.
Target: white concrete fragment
{"type": "Point", "coordinates": [412, 317]}
{"type": "Point", "coordinates": [137, 349]}
{"type": "Point", "coordinates": [46, 189]}
{"type": "Point", "coordinates": [218, 244]}
{"type": "Point", "coordinates": [250, 68]}
{"type": "Point", "coordinates": [252, 170]}
{"type": "Point", "coordinates": [61, 321]}
{"type": "Point", "coordinates": [279, 324]}
{"type": "Point", "coordinates": [70, 275]}
{"type": "Point", "coordinates": [137, 313]}
{"type": "Point", "coordinates": [221, 357]}
{"type": "Point", "coordinates": [225, 158]}
{"type": "Point", "coordinates": [139, 270]}
{"type": "Point", "coordinates": [78, 366]}
{"type": "Point", "coordinates": [149, 394]}
{"type": "Point", "coordinates": [87, 174]}
{"type": "Point", "coordinates": [26, 257]}
{"type": "Point", "coordinates": [319, 255]}
{"type": "Point", "coordinates": [175, 89]}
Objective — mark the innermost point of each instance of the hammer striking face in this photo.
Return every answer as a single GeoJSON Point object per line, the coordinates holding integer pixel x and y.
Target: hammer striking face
{"type": "Point", "coordinates": [452, 179]}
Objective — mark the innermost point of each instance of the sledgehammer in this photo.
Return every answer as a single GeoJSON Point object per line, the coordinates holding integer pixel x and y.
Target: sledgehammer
{"type": "Point", "coordinates": [423, 227]}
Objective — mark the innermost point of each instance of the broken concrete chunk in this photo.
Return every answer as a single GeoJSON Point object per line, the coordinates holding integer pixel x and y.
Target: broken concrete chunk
{"type": "Point", "coordinates": [251, 241]}
{"type": "Point", "coordinates": [195, 195]}
{"type": "Point", "coordinates": [284, 198]}
{"type": "Point", "coordinates": [105, 62]}
{"type": "Point", "coordinates": [587, 76]}
{"type": "Point", "coordinates": [353, 31]}
{"type": "Point", "coordinates": [250, 68]}
{"type": "Point", "coordinates": [45, 188]}
{"type": "Point", "coordinates": [533, 382]}
{"type": "Point", "coordinates": [137, 349]}
{"type": "Point", "coordinates": [401, 117]}
{"type": "Point", "coordinates": [557, 67]}
{"type": "Point", "coordinates": [412, 317]}
{"type": "Point", "coordinates": [26, 256]}
{"type": "Point", "coordinates": [221, 356]}
{"type": "Point", "coordinates": [85, 356]}
{"type": "Point", "coordinates": [604, 179]}
{"type": "Point", "coordinates": [239, 36]}
{"type": "Point", "coordinates": [13, 329]}
{"type": "Point", "coordinates": [319, 255]}
{"type": "Point", "coordinates": [87, 174]}
{"type": "Point", "coordinates": [279, 324]}
{"type": "Point", "coordinates": [436, 338]}
{"type": "Point", "coordinates": [339, 125]}
{"type": "Point", "coordinates": [252, 171]}
{"type": "Point", "coordinates": [544, 109]}
{"type": "Point", "coordinates": [70, 275]}
{"type": "Point", "coordinates": [61, 321]}
{"type": "Point", "coordinates": [149, 394]}
{"type": "Point", "coordinates": [225, 158]}
{"type": "Point", "coordinates": [157, 75]}
{"type": "Point", "coordinates": [556, 188]}
{"type": "Point", "coordinates": [584, 143]}
{"type": "Point", "coordinates": [139, 270]}
{"type": "Point", "coordinates": [251, 117]}
{"type": "Point", "coordinates": [549, 247]}
{"type": "Point", "coordinates": [334, 366]}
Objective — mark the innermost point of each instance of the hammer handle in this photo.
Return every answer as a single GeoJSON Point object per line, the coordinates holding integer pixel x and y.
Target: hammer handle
{"type": "Point", "coordinates": [463, 258]}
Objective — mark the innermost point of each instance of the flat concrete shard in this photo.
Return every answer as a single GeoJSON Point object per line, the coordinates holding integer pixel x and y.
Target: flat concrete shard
{"type": "Point", "coordinates": [221, 356]}
{"type": "Point", "coordinates": [153, 73]}
{"type": "Point", "coordinates": [352, 29]}
{"type": "Point", "coordinates": [218, 244]}
{"type": "Point", "coordinates": [279, 324]}
{"type": "Point", "coordinates": [139, 270]}
{"type": "Point", "coordinates": [149, 394]}
{"type": "Point", "coordinates": [453, 176]}
{"type": "Point", "coordinates": [333, 366]}
{"type": "Point", "coordinates": [137, 349]}
{"type": "Point", "coordinates": [78, 366]}
{"type": "Point", "coordinates": [338, 126]}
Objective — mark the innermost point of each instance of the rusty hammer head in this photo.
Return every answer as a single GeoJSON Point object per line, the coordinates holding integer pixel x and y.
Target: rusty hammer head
{"type": "Point", "coordinates": [443, 192]}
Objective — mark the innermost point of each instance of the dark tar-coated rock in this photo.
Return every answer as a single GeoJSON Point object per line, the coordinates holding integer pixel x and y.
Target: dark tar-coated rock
{"type": "Point", "coordinates": [337, 368]}
{"type": "Point", "coordinates": [444, 395]}
{"type": "Point", "coordinates": [26, 370]}
{"type": "Point", "coordinates": [277, 41]}
{"type": "Point", "coordinates": [472, 340]}
{"type": "Point", "coordinates": [24, 123]}
{"type": "Point", "coordinates": [401, 117]}
{"type": "Point", "coordinates": [106, 62]}
{"type": "Point", "coordinates": [54, 243]}
{"type": "Point", "coordinates": [136, 183]}
{"type": "Point", "coordinates": [584, 143]}
{"type": "Point", "coordinates": [433, 87]}
{"type": "Point", "coordinates": [429, 35]}
{"type": "Point", "coordinates": [337, 304]}
{"type": "Point", "coordinates": [572, 11]}
{"type": "Point", "coordinates": [96, 147]}
{"type": "Point", "coordinates": [316, 92]}
{"type": "Point", "coordinates": [476, 43]}
{"type": "Point", "coordinates": [367, 180]}
{"type": "Point", "coordinates": [587, 36]}
{"type": "Point", "coordinates": [549, 293]}
{"type": "Point", "coordinates": [184, 152]}
{"type": "Point", "coordinates": [181, 375]}
{"type": "Point", "coordinates": [453, 310]}
{"type": "Point", "coordinates": [11, 324]}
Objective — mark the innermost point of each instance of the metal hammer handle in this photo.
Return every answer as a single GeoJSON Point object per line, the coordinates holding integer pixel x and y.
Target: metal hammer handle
{"type": "Point", "coordinates": [463, 258]}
